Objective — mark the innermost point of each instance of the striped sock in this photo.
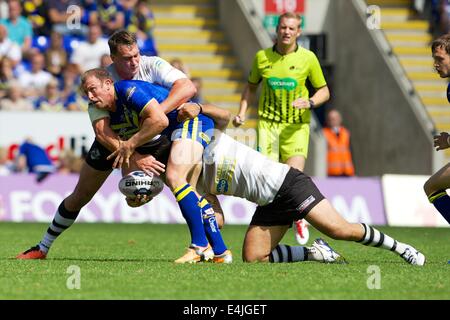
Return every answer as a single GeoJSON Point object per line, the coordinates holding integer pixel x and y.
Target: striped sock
{"type": "Point", "coordinates": [211, 228]}
{"type": "Point", "coordinates": [188, 202]}
{"type": "Point", "coordinates": [373, 237]}
{"type": "Point", "coordinates": [285, 253]}
{"type": "Point", "coordinates": [63, 219]}
{"type": "Point", "coordinates": [441, 201]}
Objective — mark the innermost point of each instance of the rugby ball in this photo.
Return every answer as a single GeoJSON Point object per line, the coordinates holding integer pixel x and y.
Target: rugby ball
{"type": "Point", "coordinates": [138, 182]}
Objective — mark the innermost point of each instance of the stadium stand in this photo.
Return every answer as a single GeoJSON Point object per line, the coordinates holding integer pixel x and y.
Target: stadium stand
{"type": "Point", "coordinates": [189, 30]}
{"type": "Point", "coordinates": [410, 38]}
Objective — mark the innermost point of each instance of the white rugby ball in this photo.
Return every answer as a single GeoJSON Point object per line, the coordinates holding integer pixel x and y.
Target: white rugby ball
{"type": "Point", "coordinates": [138, 182]}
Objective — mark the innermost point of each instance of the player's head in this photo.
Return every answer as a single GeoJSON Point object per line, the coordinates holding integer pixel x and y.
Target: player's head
{"type": "Point", "coordinates": [288, 28]}
{"type": "Point", "coordinates": [440, 49]}
{"type": "Point", "coordinates": [98, 86]}
{"type": "Point", "coordinates": [125, 54]}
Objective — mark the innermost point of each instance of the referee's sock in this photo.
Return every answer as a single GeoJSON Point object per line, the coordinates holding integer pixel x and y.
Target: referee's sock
{"type": "Point", "coordinates": [441, 201]}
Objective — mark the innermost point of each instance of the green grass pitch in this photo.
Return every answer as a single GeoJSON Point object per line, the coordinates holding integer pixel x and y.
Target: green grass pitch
{"type": "Point", "coordinates": [127, 261]}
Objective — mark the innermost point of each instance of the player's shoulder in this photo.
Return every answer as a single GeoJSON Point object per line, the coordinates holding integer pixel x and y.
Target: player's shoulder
{"type": "Point", "coordinates": [153, 62]}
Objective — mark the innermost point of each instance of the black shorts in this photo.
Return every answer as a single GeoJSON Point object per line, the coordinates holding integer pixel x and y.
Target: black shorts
{"type": "Point", "coordinates": [96, 157]}
{"type": "Point", "coordinates": [297, 196]}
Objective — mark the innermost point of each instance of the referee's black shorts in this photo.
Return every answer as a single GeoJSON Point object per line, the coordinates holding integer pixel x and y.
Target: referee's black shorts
{"type": "Point", "coordinates": [97, 154]}
{"type": "Point", "coordinates": [297, 196]}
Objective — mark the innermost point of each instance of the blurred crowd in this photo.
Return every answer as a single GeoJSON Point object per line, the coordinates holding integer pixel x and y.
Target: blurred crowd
{"type": "Point", "coordinates": [46, 45]}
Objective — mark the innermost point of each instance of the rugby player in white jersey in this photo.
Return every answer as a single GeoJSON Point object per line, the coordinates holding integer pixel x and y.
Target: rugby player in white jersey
{"type": "Point", "coordinates": [283, 195]}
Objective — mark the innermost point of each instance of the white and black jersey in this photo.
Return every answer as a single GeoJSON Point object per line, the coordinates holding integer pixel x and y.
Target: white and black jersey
{"type": "Point", "coordinates": [232, 168]}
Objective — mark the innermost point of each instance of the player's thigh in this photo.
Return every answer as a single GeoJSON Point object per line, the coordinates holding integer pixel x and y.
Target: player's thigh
{"type": "Point", "coordinates": [438, 181]}
{"type": "Point", "coordinates": [184, 156]}
{"type": "Point", "coordinates": [260, 241]}
{"type": "Point", "coordinates": [327, 220]}
{"type": "Point", "coordinates": [269, 139]}
{"type": "Point", "coordinates": [294, 142]}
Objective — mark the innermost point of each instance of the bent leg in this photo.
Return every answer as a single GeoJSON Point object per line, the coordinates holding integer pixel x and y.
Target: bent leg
{"type": "Point", "coordinates": [327, 220]}
{"type": "Point", "coordinates": [260, 241]}
{"type": "Point", "coordinates": [435, 189]}
{"type": "Point", "coordinates": [89, 183]}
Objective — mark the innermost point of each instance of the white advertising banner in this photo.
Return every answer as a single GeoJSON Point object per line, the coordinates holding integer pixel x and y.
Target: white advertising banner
{"type": "Point", "coordinates": [52, 131]}
{"type": "Point", "coordinates": [406, 203]}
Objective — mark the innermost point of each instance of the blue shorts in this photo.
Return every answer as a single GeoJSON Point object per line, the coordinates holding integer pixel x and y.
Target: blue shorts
{"type": "Point", "coordinates": [199, 129]}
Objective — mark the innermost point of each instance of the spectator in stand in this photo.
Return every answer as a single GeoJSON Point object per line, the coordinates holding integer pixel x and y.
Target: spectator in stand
{"type": "Point", "coordinates": [62, 19]}
{"type": "Point", "coordinates": [37, 13]}
{"type": "Point", "coordinates": [198, 85]}
{"type": "Point", "coordinates": [70, 81]}
{"type": "Point", "coordinates": [6, 75]}
{"type": "Point", "coordinates": [36, 79]}
{"type": "Point", "coordinates": [177, 63]}
{"type": "Point", "coordinates": [87, 55]}
{"type": "Point", "coordinates": [4, 9]}
{"type": "Point", "coordinates": [19, 28]}
{"type": "Point", "coordinates": [339, 155]}
{"type": "Point", "coordinates": [15, 100]}
{"type": "Point", "coordinates": [34, 159]}
{"type": "Point", "coordinates": [8, 48]}
{"type": "Point", "coordinates": [110, 16]}
{"type": "Point", "coordinates": [90, 12]}
{"type": "Point", "coordinates": [142, 24]}
{"type": "Point", "coordinates": [6, 166]}
{"type": "Point", "coordinates": [53, 100]}
{"type": "Point", "coordinates": [55, 56]}
{"type": "Point", "coordinates": [105, 60]}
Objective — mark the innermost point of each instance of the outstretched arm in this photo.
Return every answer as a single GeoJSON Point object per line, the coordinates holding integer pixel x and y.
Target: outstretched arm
{"type": "Point", "coordinates": [247, 98]}
{"type": "Point", "coordinates": [221, 117]}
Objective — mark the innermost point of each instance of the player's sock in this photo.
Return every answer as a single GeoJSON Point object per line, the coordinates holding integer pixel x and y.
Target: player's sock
{"type": "Point", "coordinates": [188, 202]}
{"type": "Point", "coordinates": [62, 220]}
{"type": "Point", "coordinates": [285, 253]}
{"type": "Point", "coordinates": [441, 202]}
{"type": "Point", "coordinates": [373, 237]}
{"type": "Point", "coordinates": [211, 228]}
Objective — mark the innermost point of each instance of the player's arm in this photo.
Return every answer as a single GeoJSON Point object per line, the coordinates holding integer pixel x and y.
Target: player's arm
{"type": "Point", "coordinates": [221, 117]}
{"type": "Point", "coordinates": [105, 135]}
{"type": "Point", "coordinates": [181, 88]}
{"type": "Point", "coordinates": [153, 121]}
{"type": "Point", "coordinates": [247, 98]}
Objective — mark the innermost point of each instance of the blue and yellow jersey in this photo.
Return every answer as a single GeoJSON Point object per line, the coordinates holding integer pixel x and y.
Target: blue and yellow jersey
{"type": "Point", "coordinates": [133, 96]}
{"type": "Point", "coordinates": [283, 80]}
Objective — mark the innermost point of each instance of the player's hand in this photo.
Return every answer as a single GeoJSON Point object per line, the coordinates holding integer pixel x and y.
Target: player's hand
{"type": "Point", "coordinates": [301, 103]}
{"type": "Point", "coordinates": [122, 155]}
{"type": "Point", "coordinates": [188, 110]}
{"type": "Point", "coordinates": [238, 120]}
{"type": "Point", "coordinates": [148, 163]}
{"type": "Point", "coordinates": [441, 141]}
{"type": "Point", "coordinates": [138, 201]}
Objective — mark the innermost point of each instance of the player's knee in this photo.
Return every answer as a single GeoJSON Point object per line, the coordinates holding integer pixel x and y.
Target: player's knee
{"type": "Point", "coordinates": [254, 256]}
{"type": "Point", "coordinates": [174, 179]}
{"type": "Point", "coordinates": [428, 187]}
